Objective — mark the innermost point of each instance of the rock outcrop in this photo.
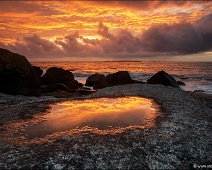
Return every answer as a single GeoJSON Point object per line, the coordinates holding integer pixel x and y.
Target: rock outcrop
{"type": "Point", "coordinates": [57, 75]}
{"type": "Point", "coordinates": [97, 81]}
{"type": "Point", "coordinates": [119, 78]}
{"type": "Point", "coordinates": [16, 74]}
{"type": "Point", "coordinates": [38, 71]}
{"type": "Point", "coordinates": [181, 83]}
{"type": "Point", "coordinates": [59, 79]}
{"type": "Point", "coordinates": [163, 78]}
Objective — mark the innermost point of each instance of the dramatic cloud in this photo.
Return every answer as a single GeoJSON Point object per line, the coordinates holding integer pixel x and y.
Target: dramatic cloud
{"type": "Point", "coordinates": [178, 38]}
{"type": "Point", "coordinates": [34, 46]}
{"type": "Point", "coordinates": [49, 19]}
{"type": "Point", "coordinates": [182, 38]}
{"type": "Point", "coordinates": [102, 29]}
{"type": "Point", "coordinates": [175, 39]}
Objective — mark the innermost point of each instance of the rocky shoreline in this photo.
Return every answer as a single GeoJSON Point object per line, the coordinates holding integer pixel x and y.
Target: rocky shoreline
{"type": "Point", "coordinates": [182, 136]}
{"type": "Point", "coordinates": [19, 77]}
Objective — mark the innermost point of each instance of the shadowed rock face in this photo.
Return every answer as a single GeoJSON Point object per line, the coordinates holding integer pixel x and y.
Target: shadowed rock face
{"type": "Point", "coordinates": [73, 84]}
{"type": "Point", "coordinates": [98, 81]}
{"type": "Point", "coordinates": [181, 83]}
{"type": "Point", "coordinates": [54, 87]}
{"type": "Point", "coordinates": [59, 79]}
{"type": "Point", "coordinates": [17, 75]}
{"type": "Point", "coordinates": [37, 70]}
{"type": "Point", "coordinates": [163, 78]}
{"type": "Point", "coordinates": [119, 78]}
{"type": "Point", "coordinates": [57, 75]}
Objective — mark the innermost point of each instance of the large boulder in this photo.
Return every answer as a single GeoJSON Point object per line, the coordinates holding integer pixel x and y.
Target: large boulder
{"type": "Point", "coordinates": [97, 81]}
{"type": "Point", "coordinates": [163, 78]}
{"type": "Point", "coordinates": [73, 84]}
{"type": "Point", "coordinates": [57, 75]}
{"type": "Point", "coordinates": [17, 75]}
{"type": "Point", "coordinates": [38, 71]}
{"type": "Point", "coordinates": [119, 78]}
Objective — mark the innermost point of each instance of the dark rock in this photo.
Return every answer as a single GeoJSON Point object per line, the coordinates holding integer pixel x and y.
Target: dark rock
{"type": "Point", "coordinates": [181, 83]}
{"type": "Point", "coordinates": [198, 91]}
{"type": "Point", "coordinates": [57, 75]}
{"type": "Point", "coordinates": [73, 84]}
{"type": "Point", "coordinates": [97, 81]}
{"type": "Point", "coordinates": [118, 78]}
{"type": "Point", "coordinates": [184, 78]}
{"type": "Point", "coordinates": [61, 94]}
{"type": "Point", "coordinates": [55, 87]}
{"type": "Point", "coordinates": [138, 82]}
{"type": "Point", "coordinates": [86, 88]}
{"type": "Point", "coordinates": [38, 71]}
{"type": "Point", "coordinates": [66, 94]}
{"type": "Point", "coordinates": [16, 74]}
{"type": "Point", "coordinates": [163, 78]}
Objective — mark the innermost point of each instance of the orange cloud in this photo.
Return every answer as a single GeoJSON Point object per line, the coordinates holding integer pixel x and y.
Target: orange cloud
{"type": "Point", "coordinates": [161, 39]}
{"type": "Point", "coordinates": [50, 20]}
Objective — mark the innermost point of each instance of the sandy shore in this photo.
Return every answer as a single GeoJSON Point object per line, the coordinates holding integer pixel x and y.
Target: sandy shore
{"type": "Point", "coordinates": [182, 136]}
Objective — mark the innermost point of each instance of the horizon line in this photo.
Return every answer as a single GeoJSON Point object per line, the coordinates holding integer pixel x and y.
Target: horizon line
{"type": "Point", "coordinates": [116, 61]}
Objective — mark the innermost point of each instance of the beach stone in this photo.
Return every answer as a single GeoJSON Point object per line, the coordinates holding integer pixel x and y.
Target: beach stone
{"type": "Point", "coordinates": [163, 78]}
{"type": "Point", "coordinates": [37, 70]}
{"type": "Point", "coordinates": [55, 87]}
{"type": "Point", "coordinates": [97, 81]}
{"type": "Point", "coordinates": [57, 75]}
{"type": "Point", "coordinates": [16, 74]}
{"type": "Point", "coordinates": [119, 78]}
{"type": "Point", "coordinates": [73, 84]}
{"type": "Point", "coordinates": [181, 83]}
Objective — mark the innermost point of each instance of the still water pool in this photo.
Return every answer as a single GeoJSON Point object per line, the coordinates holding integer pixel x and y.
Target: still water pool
{"type": "Point", "coordinates": [103, 114]}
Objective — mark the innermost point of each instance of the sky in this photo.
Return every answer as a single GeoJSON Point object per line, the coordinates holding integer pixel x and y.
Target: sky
{"type": "Point", "coordinates": [107, 30]}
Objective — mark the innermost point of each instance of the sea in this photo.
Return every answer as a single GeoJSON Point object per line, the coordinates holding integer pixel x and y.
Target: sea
{"type": "Point", "coordinates": [196, 75]}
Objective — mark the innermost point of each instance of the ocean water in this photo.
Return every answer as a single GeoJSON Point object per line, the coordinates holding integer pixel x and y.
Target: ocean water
{"type": "Point", "coordinates": [197, 76]}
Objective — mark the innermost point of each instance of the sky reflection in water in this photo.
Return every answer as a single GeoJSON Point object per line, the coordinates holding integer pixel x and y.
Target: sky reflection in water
{"type": "Point", "coordinates": [103, 114]}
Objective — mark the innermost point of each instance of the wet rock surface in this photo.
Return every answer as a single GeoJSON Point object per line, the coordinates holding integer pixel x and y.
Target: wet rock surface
{"type": "Point", "coordinates": [182, 136]}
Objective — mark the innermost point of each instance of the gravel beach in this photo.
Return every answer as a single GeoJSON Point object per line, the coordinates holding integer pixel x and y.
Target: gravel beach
{"type": "Point", "coordinates": [181, 138]}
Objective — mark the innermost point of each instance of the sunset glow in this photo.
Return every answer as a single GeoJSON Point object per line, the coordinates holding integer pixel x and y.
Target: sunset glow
{"type": "Point", "coordinates": [120, 29]}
